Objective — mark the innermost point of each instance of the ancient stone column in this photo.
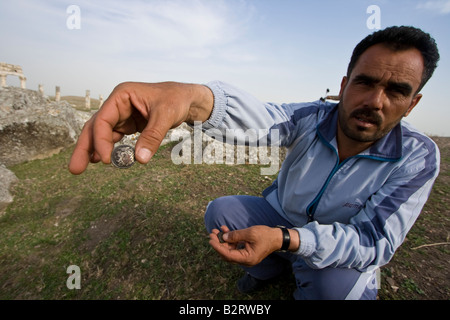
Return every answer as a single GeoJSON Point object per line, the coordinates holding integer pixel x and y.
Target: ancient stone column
{"type": "Point", "coordinates": [101, 101]}
{"type": "Point", "coordinates": [3, 80]}
{"type": "Point", "coordinates": [57, 94]}
{"type": "Point", "coordinates": [41, 89]}
{"type": "Point", "coordinates": [23, 82]}
{"type": "Point", "coordinates": [88, 99]}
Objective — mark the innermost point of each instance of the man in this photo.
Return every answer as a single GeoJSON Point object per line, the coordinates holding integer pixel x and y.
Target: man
{"type": "Point", "coordinates": [353, 183]}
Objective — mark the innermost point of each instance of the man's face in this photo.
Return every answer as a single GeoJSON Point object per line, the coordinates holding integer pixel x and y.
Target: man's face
{"type": "Point", "coordinates": [381, 91]}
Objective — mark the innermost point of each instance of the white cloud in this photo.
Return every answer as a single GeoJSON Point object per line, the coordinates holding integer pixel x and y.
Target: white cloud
{"type": "Point", "coordinates": [439, 6]}
{"type": "Point", "coordinates": [178, 27]}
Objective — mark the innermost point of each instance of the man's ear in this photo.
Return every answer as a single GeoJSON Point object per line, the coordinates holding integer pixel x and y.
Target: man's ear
{"type": "Point", "coordinates": [343, 85]}
{"type": "Point", "coordinates": [414, 103]}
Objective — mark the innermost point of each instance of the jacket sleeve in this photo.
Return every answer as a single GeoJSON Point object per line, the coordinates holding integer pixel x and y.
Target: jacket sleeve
{"type": "Point", "coordinates": [374, 234]}
{"type": "Point", "coordinates": [238, 111]}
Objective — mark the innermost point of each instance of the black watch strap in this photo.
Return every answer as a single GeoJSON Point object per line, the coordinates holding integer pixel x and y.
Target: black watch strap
{"type": "Point", "coordinates": [286, 238]}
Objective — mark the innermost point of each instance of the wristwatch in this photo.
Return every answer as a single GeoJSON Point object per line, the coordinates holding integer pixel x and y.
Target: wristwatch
{"type": "Point", "coordinates": [286, 239]}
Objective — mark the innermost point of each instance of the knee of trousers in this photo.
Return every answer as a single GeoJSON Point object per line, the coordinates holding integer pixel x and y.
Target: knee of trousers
{"type": "Point", "coordinates": [215, 213]}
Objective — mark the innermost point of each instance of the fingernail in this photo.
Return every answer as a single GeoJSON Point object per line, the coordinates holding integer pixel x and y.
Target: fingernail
{"type": "Point", "coordinates": [225, 236]}
{"type": "Point", "coordinates": [144, 154]}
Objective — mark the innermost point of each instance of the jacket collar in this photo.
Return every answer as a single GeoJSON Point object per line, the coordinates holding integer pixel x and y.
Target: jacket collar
{"type": "Point", "coordinates": [388, 148]}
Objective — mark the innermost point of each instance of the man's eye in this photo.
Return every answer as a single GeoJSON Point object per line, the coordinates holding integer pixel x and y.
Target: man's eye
{"type": "Point", "coordinates": [397, 92]}
{"type": "Point", "coordinates": [363, 82]}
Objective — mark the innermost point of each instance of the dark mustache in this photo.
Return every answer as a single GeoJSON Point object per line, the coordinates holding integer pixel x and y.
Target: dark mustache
{"type": "Point", "coordinates": [368, 115]}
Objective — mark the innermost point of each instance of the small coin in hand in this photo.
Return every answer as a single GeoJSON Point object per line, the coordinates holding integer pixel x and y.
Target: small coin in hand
{"type": "Point", "coordinates": [220, 236]}
{"type": "Point", "coordinates": [123, 156]}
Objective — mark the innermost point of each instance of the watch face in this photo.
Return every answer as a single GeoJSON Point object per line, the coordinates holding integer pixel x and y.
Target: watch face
{"type": "Point", "coordinates": [123, 156]}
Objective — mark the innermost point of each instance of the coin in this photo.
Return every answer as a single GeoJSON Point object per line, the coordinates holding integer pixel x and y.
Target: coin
{"type": "Point", "coordinates": [220, 236]}
{"type": "Point", "coordinates": [123, 156]}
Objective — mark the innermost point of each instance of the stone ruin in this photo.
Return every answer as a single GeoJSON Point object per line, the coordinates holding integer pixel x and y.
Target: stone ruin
{"type": "Point", "coordinates": [7, 69]}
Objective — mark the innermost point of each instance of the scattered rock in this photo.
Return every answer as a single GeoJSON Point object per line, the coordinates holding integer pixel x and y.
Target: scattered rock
{"type": "Point", "coordinates": [392, 284]}
{"type": "Point", "coordinates": [7, 179]}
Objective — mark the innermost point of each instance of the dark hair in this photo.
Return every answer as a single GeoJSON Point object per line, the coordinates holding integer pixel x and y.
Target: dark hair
{"type": "Point", "coordinates": [398, 39]}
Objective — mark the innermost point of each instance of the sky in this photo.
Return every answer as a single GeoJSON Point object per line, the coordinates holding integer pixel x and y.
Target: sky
{"type": "Point", "coordinates": [279, 50]}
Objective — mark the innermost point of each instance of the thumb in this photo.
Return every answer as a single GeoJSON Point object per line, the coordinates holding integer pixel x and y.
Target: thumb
{"type": "Point", "coordinates": [234, 236]}
{"type": "Point", "coordinates": [150, 139]}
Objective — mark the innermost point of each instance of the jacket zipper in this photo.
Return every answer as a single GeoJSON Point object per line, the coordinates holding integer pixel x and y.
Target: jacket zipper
{"type": "Point", "coordinates": [311, 209]}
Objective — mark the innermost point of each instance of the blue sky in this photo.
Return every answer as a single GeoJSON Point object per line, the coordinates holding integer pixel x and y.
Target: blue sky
{"type": "Point", "coordinates": [279, 50]}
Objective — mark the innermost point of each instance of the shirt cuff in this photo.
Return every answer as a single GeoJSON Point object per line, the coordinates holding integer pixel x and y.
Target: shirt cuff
{"type": "Point", "coordinates": [220, 106]}
{"type": "Point", "coordinates": [307, 242]}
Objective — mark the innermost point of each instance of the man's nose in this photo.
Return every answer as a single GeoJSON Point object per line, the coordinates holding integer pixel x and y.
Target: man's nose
{"type": "Point", "coordinates": [375, 99]}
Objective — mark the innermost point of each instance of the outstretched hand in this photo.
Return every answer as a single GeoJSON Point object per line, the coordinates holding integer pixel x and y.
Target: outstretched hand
{"type": "Point", "coordinates": [152, 109]}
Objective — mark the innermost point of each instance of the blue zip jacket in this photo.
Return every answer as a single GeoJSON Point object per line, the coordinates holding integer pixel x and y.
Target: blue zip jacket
{"type": "Point", "coordinates": [352, 214]}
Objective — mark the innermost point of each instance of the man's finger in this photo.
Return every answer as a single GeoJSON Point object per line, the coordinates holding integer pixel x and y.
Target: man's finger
{"type": "Point", "coordinates": [151, 137]}
{"type": "Point", "coordinates": [83, 150]}
{"type": "Point", "coordinates": [104, 124]}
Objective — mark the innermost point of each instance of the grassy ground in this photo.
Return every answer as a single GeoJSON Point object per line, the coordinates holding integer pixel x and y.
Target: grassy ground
{"type": "Point", "coordinates": [139, 234]}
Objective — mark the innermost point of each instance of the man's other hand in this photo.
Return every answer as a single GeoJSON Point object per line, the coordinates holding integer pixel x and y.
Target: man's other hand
{"type": "Point", "coordinates": [246, 247]}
